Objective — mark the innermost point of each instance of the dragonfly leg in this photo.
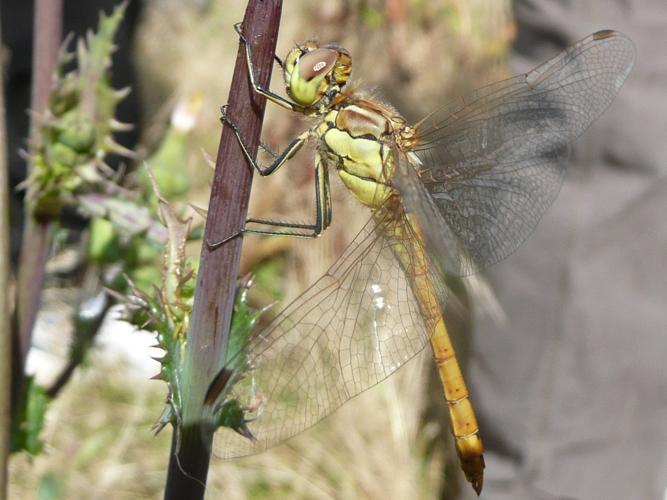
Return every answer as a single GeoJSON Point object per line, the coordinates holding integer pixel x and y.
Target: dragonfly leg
{"type": "Point", "coordinates": [323, 211]}
{"type": "Point", "coordinates": [224, 120]}
{"type": "Point", "coordinates": [268, 150]}
{"type": "Point", "coordinates": [271, 96]}
{"type": "Point", "coordinates": [323, 216]}
{"type": "Point", "coordinates": [279, 159]}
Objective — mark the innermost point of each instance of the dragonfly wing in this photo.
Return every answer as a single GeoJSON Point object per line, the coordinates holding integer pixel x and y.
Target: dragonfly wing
{"type": "Point", "coordinates": [494, 161]}
{"type": "Point", "coordinates": [353, 328]}
{"type": "Point", "coordinates": [443, 246]}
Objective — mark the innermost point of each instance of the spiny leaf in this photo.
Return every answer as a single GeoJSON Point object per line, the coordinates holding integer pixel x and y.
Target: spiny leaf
{"type": "Point", "coordinates": [76, 129]}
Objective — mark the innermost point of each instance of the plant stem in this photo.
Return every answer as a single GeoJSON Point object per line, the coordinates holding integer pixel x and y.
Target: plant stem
{"type": "Point", "coordinates": [88, 319]}
{"type": "Point", "coordinates": [218, 270]}
{"type": "Point", "coordinates": [5, 322]}
{"type": "Point", "coordinates": [36, 234]}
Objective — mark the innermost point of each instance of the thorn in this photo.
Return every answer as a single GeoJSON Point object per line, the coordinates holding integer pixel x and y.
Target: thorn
{"type": "Point", "coordinates": [119, 297]}
{"type": "Point", "coordinates": [208, 159]}
{"type": "Point", "coordinates": [121, 94]}
{"type": "Point", "coordinates": [80, 50]}
{"type": "Point", "coordinates": [202, 212]}
{"type": "Point", "coordinates": [267, 307]}
{"type": "Point", "coordinates": [24, 155]}
{"type": "Point", "coordinates": [65, 55]}
{"type": "Point", "coordinates": [119, 173]}
{"type": "Point", "coordinates": [23, 185]}
{"type": "Point", "coordinates": [157, 427]}
{"type": "Point", "coordinates": [104, 168]}
{"type": "Point", "coordinates": [114, 147]}
{"type": "Point", "coordinates": [246, 281]}
{"type": "Point", "coordinates": [184, 279]}
{"type": "Point", "coordinates": [151, 178]}
{"type": "Point", "coordinates": [118, 126]}
{"type": "Point", "coordinates": [245, 432]}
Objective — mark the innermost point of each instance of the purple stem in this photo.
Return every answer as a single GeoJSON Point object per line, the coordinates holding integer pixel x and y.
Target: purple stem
{"type": "Point", "coordinates": [216, 282]}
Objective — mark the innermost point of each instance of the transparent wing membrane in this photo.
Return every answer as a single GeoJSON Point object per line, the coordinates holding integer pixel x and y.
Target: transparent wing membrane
{"type": "Point", "coordinates": [494, 162]}
{"type": "Point", "coordinates": [350, 330]}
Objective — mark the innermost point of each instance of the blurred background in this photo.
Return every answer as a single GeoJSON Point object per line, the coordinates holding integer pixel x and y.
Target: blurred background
{"type": "Point", "coordinates": [570, 385]}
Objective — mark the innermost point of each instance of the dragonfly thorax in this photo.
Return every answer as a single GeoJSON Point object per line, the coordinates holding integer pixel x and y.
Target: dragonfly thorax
{"type": "Point", "coordinates": [314, 75]}
{"type": "Point", "coordinates": [355, 140]}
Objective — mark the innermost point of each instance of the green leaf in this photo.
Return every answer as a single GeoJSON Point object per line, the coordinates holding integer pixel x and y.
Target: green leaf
{"type": "Point", "coordinates": [30, 422]}
{"type": "Point", "coordinates": [232, 415]}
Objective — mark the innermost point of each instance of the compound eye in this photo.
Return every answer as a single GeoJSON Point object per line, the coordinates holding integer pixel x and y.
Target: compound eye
{"type": "Point", "coordinates": [316, 62]}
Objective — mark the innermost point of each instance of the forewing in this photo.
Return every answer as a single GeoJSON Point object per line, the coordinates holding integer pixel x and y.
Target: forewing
{"type": "Point", "coordinates": [353, 328]}
{"type": "Point", "coordinates": [494, 161]}
{"type": "Point", "coordinates": [443, 246]}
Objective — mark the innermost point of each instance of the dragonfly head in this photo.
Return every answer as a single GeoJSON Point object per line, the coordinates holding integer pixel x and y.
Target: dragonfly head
{"type": "Point", "coordinates": [314, 74]}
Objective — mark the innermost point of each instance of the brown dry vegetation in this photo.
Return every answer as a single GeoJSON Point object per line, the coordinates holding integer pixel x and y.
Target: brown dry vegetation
{"type": "Point", "coordinates": [380, 445]}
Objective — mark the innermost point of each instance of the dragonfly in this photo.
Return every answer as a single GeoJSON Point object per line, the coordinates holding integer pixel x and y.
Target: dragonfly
{"type": "Point", "coordinates": [458, 191]}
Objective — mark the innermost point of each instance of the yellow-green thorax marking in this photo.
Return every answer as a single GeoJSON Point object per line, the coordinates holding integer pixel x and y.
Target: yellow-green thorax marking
{"type": "Point", "coordinates": [355, 140]}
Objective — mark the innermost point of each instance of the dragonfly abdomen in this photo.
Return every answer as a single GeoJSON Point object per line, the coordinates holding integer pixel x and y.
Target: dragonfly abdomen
{"type": "Point", "coordinates": [469, 445]}
{"type": "Point", "coordinates": [410, 253]}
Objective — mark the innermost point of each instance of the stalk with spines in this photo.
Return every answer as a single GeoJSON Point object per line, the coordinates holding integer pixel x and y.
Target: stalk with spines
{"type": "Point", "coordinates": [75, 133]}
